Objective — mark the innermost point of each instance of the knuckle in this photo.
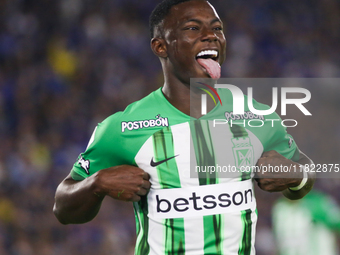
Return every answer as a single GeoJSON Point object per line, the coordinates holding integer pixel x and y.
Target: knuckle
{"type": "Point", "coordinates": [148, 185]}
{"type": "Point", "coordinates": [140, 183]}
{"type": "Point", "coordinates": [147, 176]}
{"type": "Point", "coordinates": [136, 190]}
{"type": "Point", "coordinates": [129, 196]}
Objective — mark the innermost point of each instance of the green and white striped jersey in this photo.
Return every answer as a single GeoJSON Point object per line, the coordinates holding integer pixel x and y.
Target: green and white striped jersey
{"type": "Point", "coordinates": [198, 203]}
{"type": "Point", "coordinates": [306, 226]}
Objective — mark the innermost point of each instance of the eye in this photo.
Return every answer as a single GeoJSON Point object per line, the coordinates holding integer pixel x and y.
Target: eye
{"type": "Point", "coordinates": [194, 28]}
{"type": "Point", "coordinates": [218, 28]}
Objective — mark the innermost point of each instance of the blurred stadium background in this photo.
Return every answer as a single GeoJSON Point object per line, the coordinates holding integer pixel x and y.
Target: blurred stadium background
{"type": "Point", "coordinates": [65, 65]}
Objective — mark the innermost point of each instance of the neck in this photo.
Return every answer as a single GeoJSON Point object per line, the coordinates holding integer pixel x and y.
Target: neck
{"type": "Point", "coordinates": [178, 94]}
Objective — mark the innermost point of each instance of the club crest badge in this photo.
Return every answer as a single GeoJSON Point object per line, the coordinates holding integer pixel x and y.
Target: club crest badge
{"type": "Point", "coordinates": [243, 152]}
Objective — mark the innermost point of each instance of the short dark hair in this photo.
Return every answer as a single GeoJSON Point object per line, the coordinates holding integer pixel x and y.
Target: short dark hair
{"type": "Point", "coordinates": [160, 12]}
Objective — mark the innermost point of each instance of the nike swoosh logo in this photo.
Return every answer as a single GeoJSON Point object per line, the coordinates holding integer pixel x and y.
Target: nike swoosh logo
{"type": "Point", "coordinates": [153, 163]}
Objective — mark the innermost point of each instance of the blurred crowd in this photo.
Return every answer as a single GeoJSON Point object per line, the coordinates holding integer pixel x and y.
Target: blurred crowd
{"type": "Point", "coordinates": [65, 65]}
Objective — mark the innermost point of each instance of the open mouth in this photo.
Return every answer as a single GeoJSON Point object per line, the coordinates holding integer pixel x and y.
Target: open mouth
{"type": "Point", "coordinates": [206, 54]}
{"type": "Point", "coordinates": [208, 61]}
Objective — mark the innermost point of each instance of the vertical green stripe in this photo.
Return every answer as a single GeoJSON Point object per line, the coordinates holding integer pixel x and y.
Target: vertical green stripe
{"type": "Point", "coordinates": [213, 237]}
{"type": "Point", "coordinates": [164, 148]}
{"type": "Point", "coordinates": [138, 224]}
{"type": "Point", "coordinates": [174, 237]}
{"type": "Point", "coordinates": [238, 131]}
{"type": "Point", "coordinates": [142, 246]}
{"type": "Point", "coordinates": [245, 245]}
{"type": "Point", "coordinates": [205, 157]}
{"type": "Point", "coordinates": [204, 150]}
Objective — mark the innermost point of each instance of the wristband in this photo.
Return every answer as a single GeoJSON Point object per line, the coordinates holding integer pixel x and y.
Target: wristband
{"type": "Point", "coordinates": [303, 182]}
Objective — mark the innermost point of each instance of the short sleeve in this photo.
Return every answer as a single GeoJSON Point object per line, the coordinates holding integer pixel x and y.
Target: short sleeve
{"type": "Point", "coordinates": [102, 150]}
{"type": "Point", "coordinates": [283, 143]}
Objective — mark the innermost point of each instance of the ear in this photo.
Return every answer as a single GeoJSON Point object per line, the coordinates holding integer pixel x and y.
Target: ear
{"type": "Point", "coordinates": [158, 47]}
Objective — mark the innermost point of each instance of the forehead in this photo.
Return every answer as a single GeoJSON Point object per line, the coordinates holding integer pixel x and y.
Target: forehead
{"type": "Point", "coordinates": [191, 10]}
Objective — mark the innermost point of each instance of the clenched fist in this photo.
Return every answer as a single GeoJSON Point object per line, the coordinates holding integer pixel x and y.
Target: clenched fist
{"type": "Point", "coordinates": [124, 182]}
{"type": "Point", "coordinates": [277, 173]}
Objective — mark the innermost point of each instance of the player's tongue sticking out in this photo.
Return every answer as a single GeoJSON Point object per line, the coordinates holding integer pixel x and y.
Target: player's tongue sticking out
{"type": "Point", "coordinates": [212, 67]}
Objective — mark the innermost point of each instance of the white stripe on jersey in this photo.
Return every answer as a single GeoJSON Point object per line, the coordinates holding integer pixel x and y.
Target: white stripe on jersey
{"type": "Point", "coordinates": [194, 230]}
{"type": "Point", "coordinates": [224, 150]}
{"type": "Point", "coordinates": [194, 236]}
{"type": "Point", "coordinates": [182, 140]}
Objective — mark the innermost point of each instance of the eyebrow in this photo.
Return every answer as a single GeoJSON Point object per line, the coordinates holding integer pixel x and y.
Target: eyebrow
{"type": "Point", "coordinates": [199, 21]}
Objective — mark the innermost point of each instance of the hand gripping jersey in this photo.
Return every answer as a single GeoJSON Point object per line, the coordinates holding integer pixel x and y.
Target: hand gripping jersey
{"type": "Point", "coordinates": [192, 208]}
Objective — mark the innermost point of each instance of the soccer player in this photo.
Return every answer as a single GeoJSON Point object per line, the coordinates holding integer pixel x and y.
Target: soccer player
{"type": "Point", "coordinates": [143, 153]}
{"type": "Point", "coordinates": [308, 226]}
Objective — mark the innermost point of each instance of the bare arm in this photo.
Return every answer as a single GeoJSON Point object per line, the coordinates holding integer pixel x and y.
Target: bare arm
{"type": "Point", "coordinates": [281, 180]}
{"type": "Point", "coordinates": [293, 195]}
{"type": "Point", "coordinates": [79, 201]}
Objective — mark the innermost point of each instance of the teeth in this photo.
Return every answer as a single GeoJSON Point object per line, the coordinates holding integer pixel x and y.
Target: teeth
{"type": "Point", "coordinates": [212, 53]}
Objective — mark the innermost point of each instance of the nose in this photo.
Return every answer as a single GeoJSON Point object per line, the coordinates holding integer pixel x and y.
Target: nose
{"type": "Point", "coordinates": [208, 35]}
